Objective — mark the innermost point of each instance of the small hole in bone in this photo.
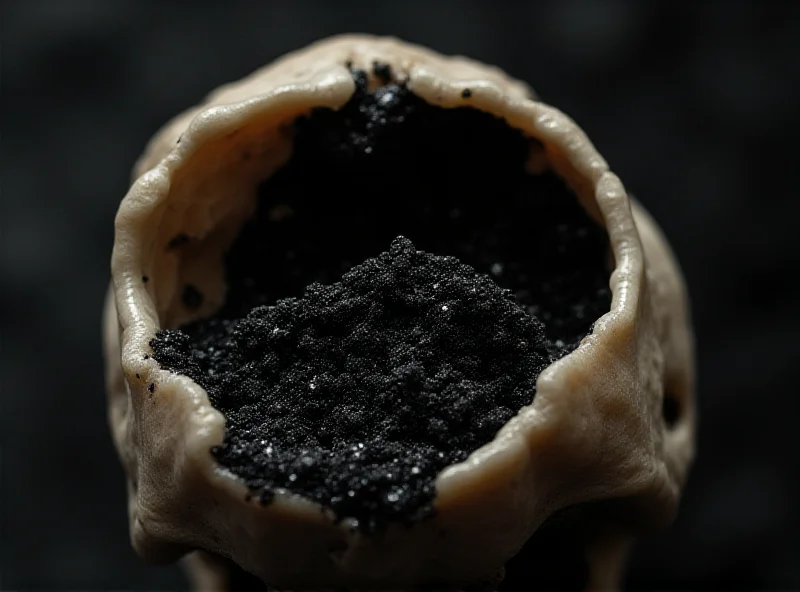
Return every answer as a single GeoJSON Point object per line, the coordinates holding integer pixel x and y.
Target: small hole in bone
{"type": "Point", "coordinates": [671, 408]}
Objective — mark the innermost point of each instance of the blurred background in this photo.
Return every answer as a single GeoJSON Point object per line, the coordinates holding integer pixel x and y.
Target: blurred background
{"type": "Point", "coordinates": [694, 105]}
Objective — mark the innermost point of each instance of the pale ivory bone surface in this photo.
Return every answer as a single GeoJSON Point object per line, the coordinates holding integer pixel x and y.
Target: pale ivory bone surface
{"type": "Point", "coordinates": [594, 431]}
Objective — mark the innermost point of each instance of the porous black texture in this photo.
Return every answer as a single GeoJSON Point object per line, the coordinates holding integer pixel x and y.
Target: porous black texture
{"type": "Point", "coordinates": [357, 394]}
{"type": "Point", "coordinates": [452, 180]}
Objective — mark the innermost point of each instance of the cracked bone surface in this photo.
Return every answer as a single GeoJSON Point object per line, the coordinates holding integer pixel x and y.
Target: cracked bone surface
{"type": "Point", "coordinates": [597, 457]}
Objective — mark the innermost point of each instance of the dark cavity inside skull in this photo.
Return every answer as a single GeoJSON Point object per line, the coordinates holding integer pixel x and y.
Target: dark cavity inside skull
{"type": "Point", "coordinates": [345, 392]}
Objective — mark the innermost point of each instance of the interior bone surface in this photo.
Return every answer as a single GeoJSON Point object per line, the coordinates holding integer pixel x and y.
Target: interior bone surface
{"type": "Point", "coordinates": [586, 464]}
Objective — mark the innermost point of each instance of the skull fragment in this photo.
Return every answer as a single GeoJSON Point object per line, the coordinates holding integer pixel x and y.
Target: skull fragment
{"type": "Point", "coordinates": [299, 392]}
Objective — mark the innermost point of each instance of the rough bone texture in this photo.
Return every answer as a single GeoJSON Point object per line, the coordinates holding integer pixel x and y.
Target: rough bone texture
{"type": "Point", "coordinates": [595, 431]}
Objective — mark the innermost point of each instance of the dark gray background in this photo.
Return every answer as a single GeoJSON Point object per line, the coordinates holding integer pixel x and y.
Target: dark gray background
{"type": "Point", "coordinates": [708, 89]}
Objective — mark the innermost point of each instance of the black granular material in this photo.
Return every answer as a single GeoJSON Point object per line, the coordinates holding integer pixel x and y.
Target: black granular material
{"type": "Point", "coordinates": [454, 182]}
{"type": "Point", "coordinates": [359, 393]}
